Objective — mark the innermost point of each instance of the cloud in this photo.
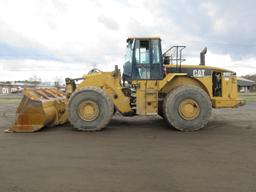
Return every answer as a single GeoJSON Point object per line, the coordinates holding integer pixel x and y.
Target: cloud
{"type": "Point", "coordinates": [226, 26]}
{"type": "Point", "coordinates": [92, 33]}
{"type": "Point", "coordinates": [25, 68]}
{"type": "Point", "coordinates": [9, 52]}
{"type": "Point", "coordinates": [241, 67]}
{"type": "Point", "coordinates": [108, 22]}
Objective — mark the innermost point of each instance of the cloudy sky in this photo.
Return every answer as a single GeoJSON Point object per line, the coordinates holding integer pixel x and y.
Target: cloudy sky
{"type": "Point", "coordinates": [63, 38]}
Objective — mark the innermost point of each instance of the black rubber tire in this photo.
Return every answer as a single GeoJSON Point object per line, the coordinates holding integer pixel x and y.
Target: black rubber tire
{"type": "Point", "coordinates": [160, 109]}
{"type": "Point", "coordinates": [173, 100]}
{"type": "Point", "coordinates": [106, 109]}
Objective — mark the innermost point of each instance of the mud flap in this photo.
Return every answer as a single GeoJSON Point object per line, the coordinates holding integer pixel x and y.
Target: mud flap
{"type": "Point", "coordinates": [40, 108]}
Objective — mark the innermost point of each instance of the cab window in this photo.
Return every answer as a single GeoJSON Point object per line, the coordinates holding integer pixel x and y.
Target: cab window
{"type": "Point", "coordinates": [155, 51]}
{"type": "Point", "coordinates": [142, 52]}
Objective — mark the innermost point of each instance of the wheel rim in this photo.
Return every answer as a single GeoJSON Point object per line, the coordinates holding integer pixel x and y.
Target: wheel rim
{"type": "Point", "coordinates": [189, 109]}
{"type": "Point", "coordinates": [88, 110]}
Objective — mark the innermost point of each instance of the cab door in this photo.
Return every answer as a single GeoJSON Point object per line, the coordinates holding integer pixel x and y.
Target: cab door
{"type": "Point", "coordinates": [147, 72]}
{"type": "Point", "coordinates": [148, 60]}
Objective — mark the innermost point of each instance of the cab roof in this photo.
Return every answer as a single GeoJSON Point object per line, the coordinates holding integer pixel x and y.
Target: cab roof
{"type": "Point", "coordinates": [143, 38]}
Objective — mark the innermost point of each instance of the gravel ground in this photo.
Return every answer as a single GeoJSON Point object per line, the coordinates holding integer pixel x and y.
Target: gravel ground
{"type": "Point", "coordinates": [132, 154]}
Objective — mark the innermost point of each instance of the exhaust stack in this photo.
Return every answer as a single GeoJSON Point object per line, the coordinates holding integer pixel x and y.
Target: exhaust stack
{"type": "Point", "coordinates": [202, 56]}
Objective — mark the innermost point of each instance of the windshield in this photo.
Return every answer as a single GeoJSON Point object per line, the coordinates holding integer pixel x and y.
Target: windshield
{"type": "Point", "coordinates": [128, 58]}
{"type": "Point", "coordinates": [128, 55]}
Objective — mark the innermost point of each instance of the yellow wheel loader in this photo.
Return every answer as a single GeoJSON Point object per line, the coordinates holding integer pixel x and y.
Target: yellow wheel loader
{"type": "Point", "coordinates": [152, 83]}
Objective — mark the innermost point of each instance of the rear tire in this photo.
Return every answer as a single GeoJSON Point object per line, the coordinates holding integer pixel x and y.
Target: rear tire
{"type": "Point", "coordinates": [187, 108]}
{"type": "Point", "coordinates": [90, 109]}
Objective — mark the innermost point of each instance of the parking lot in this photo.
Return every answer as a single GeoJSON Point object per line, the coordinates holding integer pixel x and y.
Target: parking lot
{"type": "Point", "coordinates": [132, 154]}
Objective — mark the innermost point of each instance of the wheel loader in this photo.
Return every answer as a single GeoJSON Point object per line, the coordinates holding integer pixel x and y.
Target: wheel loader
{"type": "Point", "coordinates": [152, 83]}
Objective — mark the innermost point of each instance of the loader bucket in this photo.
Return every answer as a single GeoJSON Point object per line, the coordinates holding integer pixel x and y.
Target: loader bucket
{"type": "Point", "coordinates": [40, 108]}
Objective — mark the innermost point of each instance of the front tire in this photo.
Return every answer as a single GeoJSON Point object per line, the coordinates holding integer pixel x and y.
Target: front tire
{"type": "Point", "coordinates": [187, 108]}
{"type": "Point", "coordinates": [90, 109]}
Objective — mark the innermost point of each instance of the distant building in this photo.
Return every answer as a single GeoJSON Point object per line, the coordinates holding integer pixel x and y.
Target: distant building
{"type": "Point", "coordinates": [246, 85]}
{"type": "Point", "coordinates": [14, 87]}
{"type": "Point", "coordinates": [6, 88]}
{"type": "Point", "coordinates": [253, 88]}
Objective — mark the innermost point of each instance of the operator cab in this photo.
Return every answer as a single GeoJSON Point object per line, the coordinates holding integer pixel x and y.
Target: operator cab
{"type": "Point", "coordinates": [143, 59]}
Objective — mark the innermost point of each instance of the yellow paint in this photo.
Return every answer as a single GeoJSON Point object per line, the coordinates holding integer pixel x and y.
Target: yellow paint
{"type": "Point", "coordinates": [146, 97]}
{"type": "Point", "coordinates": [220, 102]}
{"type": "Point", "coordinates": [147, 91]}
{"type": "Point", "coordinates": [189, 109]}
{"type": "Point", "coordinates": [88, 110]}
{"type": "Point", "coordinates": [39, 108]}
{"type": "Point", "coordinates": [179, 80]}
{"type": "Point", "coordinates": [217, 69]}
{"type": "Point", "coordinates": [110, 82]}
{"type": "Point", "coordinates": [168, 78]}
{"type": "Point", "coordinates": [229, 96]}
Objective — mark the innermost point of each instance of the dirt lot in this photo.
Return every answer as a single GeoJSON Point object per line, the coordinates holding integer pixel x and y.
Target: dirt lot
{"type": "Point", "coordinates": [132, 154]}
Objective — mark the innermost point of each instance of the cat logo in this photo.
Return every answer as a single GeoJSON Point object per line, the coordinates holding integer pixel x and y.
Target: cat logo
{"type": "Point", "coordinates": [199, 72]}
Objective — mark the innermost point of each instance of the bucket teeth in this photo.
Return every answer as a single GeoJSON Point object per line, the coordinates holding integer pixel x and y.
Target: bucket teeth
{"type": "Point", "coordinates": [40, 108]}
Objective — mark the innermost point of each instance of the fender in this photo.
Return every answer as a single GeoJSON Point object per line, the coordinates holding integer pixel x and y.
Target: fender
{"type": "Point", "coordinates": [179, 79]}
